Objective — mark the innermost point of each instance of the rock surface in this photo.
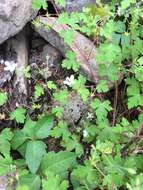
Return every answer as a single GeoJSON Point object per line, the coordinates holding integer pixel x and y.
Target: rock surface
{"type": "Point", "coordinates": [84, 49]}
{"type": "Point", "coordinates": [76, 5]}
{"type": "Point", "coordinates": [14, 14]}
{"type": "Point", "coordinates": [75, 109]}
{"type": "Point", "coordinates": [43, 57]}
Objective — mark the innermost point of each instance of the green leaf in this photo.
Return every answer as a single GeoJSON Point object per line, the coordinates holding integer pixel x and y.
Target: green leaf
{"type": "Point", "coordinates": [54, 182]}
{"type": "Point", "coordinates": [6, 165]}
{"type": "Point", "coordinates": [61, 130]}
{"type": "Point", "coordinates": [68, 36]}
{"type": "Point", "coordinates": [136, 183]}
{"type": "Point", "coordinates": [61, 96]}
{"type": "Point", "coordinates": [70, 62]}
{"type": "Point", "coordinates": [5, 136]}
{"type": "Point", "coordinates": [139, 73]}
{"type": "Point", "coordinates": [126, 3]}
{"type": "Point", "coordinates": [31, 181]}
{"type": "Point", "coordinates": [102, 86]}
{"type": "Point", "coordinates": [59, 162]}
{"type": "Point", "coordinates": [61, 2]}
{"type": "Point", "coordinates": [79, 86]}
{"type": "Point", "coordinates": [134, 95]}
{"type": "Point", "coordinates": [29, 128]}
{"type": "Point", "coordinates": [22, 149]}
{"type": "Point", "coordinates": [37, 4]}
{"type": "Point", "coordinates": [43, 127]}
{"type": "Point", "coordinates": [101, 108]}
{"type": "Point", "coordinates": [106, 57]}
{"type": "Point", "coordinates": [108, 29]}
{"type": "Point", "coordinates": [3, 98]}
{"type": "Point", "coordinates": [39, 91]}
{"type": "Point", "coordinates": [83, 93]}
{"type": "Point", "coordinates": [120, 27]}
{"type": "Point", "coordinates": [72, 143]}
{"type": "Point", "coordinates": [51, 85]}
{"type": "Point", "coordinates": [58, 111]}
{"type": "Point", "coordinates": [34, 153]}
{"type": "Point", "coordinates": [84, 174]}
{"type": "Point", "coordinates": [104, 147]}
{"type": "Point", "coordinates": [18, 139]}
{"type": "Point", "coordinates": [18, 115]}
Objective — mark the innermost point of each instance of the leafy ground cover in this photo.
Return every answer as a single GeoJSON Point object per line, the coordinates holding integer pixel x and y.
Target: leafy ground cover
{"type": "Point", "coordinates": [103, 149]}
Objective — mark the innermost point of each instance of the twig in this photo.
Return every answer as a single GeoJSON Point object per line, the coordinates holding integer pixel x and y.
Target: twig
{"type": "Point", "coordinates": [115, 103]}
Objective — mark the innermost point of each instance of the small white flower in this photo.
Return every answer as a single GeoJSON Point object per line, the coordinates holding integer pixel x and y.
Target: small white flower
{"type": "Point", "coordinates": [90, 116]}
{"type": "Point", "coordinates": [17, 104]}
{"type": "Point", "coordinates": [2, 61]}
{"type": "Point", "coordinates": [85, 133]}
{"type": "Point", "coordinates": [10, 66]}
{"type": "Point", "coordinates": [69, 81]}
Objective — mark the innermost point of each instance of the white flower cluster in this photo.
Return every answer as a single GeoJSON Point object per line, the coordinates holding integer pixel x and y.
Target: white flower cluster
{"type": "Point", "coordinates": [9, 65]}
{"type": "Point", "coordinates": [69, 81]}
{"type": "Point", "coordinates": [90, 116]}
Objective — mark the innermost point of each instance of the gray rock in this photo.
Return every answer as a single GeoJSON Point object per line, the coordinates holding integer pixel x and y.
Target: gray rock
{"type": "Point", "coordinates": [14, 14]}
{"type": "Point", "coordinates": [8, 181]}
{"type": "Point", "coordinates": [75, 109]}
{"type": "Point", "coordinates": [45, 58]}
{"type": "Point", "coordinates": [76, 5]}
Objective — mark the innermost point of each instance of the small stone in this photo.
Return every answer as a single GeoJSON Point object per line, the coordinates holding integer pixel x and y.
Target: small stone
{"type": "Point", "coordinates": [74, 109]}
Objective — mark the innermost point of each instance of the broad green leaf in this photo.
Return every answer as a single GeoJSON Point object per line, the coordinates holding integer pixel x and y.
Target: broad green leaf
{"type": "Point", "coordinates": [59, 162]}
{"type": "Point", "coordinates": [29, 128]}
{"type": "Point", "coordinates": [5, 136]}
{"type": "Point", "coordinates": [43, 127]}
{"type": "Point", "coordinates": [22, 149]}
{"type": "Point", "coordinates": [4, 147]}
{"type": "Point", "coordinates": [18, 139]}
{"type": "Point", "coordinates": [34, 153]}
{"type": "Point", "coordinates": [31, 181]}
